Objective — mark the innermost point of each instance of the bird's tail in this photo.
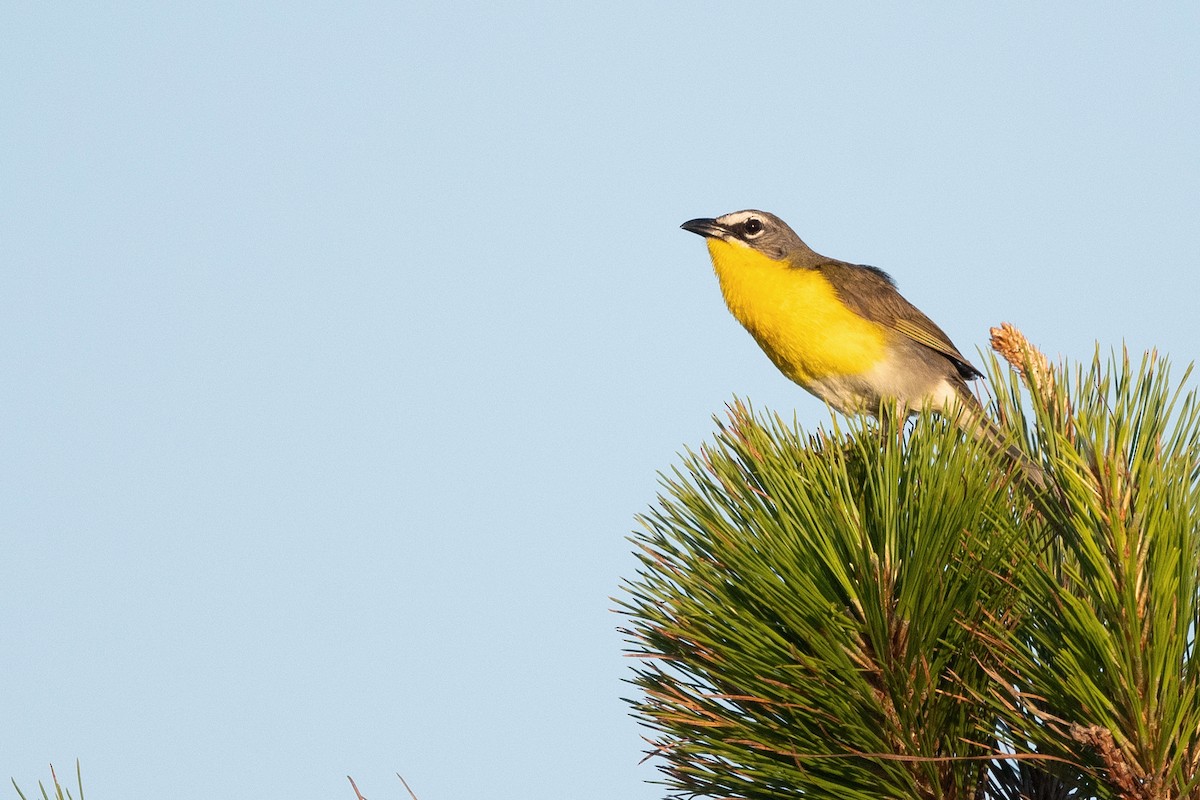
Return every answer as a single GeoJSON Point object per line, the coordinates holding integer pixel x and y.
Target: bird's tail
{"type": "Point", "coordinates": [973, 419]}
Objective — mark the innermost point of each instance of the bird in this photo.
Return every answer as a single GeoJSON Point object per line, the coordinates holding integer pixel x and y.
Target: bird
{"type": "Point", "coordinates": [841, 331]}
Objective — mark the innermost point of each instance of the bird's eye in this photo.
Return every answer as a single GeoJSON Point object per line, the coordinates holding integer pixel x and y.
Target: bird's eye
{"type": "Point", "coordinates": [753, 226]}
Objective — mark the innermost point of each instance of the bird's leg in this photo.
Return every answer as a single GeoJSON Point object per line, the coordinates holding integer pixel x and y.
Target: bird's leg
{"type": "Point", "coordinates": [892, 418]}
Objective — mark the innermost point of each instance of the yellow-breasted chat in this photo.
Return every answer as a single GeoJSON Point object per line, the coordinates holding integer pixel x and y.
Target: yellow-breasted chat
{"type": "Point", "coordinates": [842, 331]}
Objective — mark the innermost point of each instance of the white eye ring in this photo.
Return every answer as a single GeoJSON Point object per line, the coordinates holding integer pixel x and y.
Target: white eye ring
{"type": "Point", "coordinates": [753, 226]}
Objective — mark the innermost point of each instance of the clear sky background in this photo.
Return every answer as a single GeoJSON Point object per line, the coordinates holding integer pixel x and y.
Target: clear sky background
{"type": "Point", "coordinates": [341, 343]}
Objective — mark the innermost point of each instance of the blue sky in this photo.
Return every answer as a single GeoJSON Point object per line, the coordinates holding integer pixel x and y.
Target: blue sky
{"type": "Point", "coordinates": [342, 343]}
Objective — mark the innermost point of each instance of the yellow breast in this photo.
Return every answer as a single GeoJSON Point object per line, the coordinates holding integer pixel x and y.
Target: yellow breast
{"type": "Point", "coordinates": [795, 315]}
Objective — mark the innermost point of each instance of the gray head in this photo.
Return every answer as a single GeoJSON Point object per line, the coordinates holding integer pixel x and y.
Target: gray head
{"type": "Point", "coordinates": [764, 232]}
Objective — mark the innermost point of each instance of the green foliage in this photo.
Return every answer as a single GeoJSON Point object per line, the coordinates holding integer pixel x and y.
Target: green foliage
{"type": "Point", "coordinates": [800, 601]}
{"type": "Point", "coordinates": [60, 793]}
{"type": "Point", "coordinates": [1102, 668]}
{"type": "Point", "coordinates": [859, 614]}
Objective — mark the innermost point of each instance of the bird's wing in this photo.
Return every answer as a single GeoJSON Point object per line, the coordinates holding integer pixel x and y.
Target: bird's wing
{"type": "Point", "coordinates": [871, 293]}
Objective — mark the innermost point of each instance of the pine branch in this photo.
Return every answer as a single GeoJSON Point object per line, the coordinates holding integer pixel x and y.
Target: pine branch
{"type": "Point", "coordinates": [857, 614]}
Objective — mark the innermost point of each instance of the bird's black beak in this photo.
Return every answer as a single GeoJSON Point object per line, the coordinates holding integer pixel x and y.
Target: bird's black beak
{"type": "Point", "coordinates": [706, 227]}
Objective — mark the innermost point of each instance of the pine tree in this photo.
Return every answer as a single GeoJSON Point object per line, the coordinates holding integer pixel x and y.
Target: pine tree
{"type": "Point", "coordinates": [862, 614]}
